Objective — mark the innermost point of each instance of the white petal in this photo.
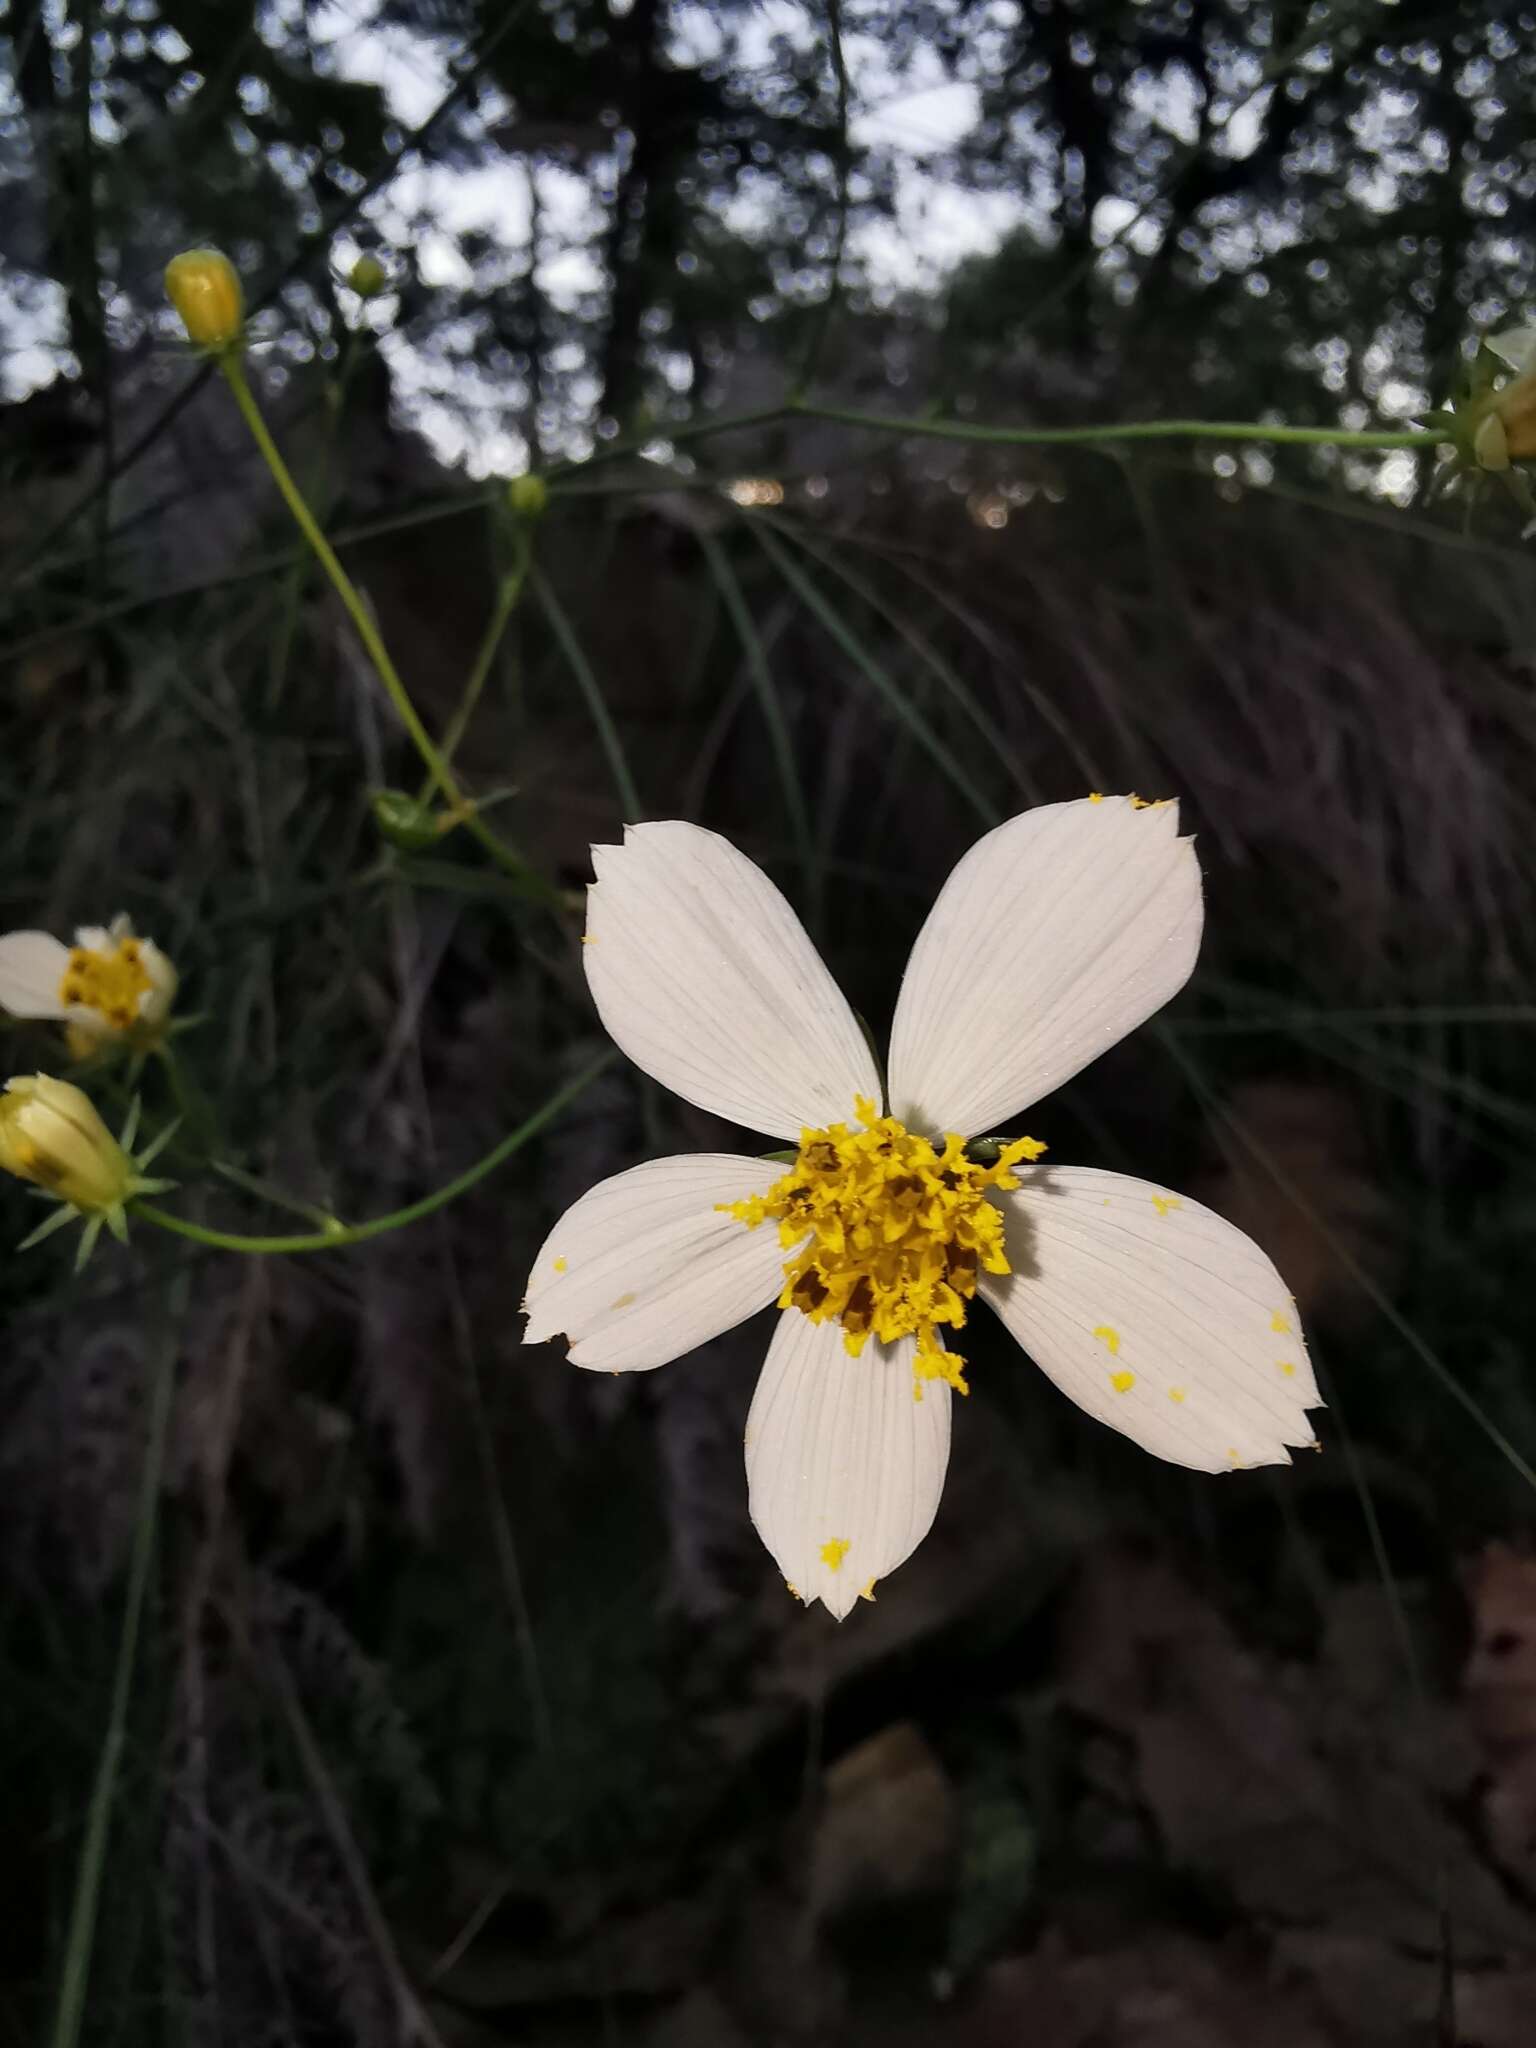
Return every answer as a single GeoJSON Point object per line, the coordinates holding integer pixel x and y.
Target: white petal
{"type": "Point", "coordinates": [1056, 935]}
{"type": "Point", "coordinates": [645, 1266]}
{"type": "Point", "coordinates": [1515, 346]}
{"type": "Point", "coordinates": [844, 1464]}
{"type": "Point", "coordinates": [155, 1003]}
{"type": "Point", "coordinates": [32, 966]}
{"type": "Point", "coordinates": [1157, 1316]}
{"type": "Point", "coordinates": [704, 975]}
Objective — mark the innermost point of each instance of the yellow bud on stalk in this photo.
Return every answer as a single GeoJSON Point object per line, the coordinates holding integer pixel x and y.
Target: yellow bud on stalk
{"type": "Point", "coordinates": [1502, 417]}
{"type": "Point", "coordinates": [204, 287]}
{"type": "Point", "coordinates": [51, 1135]}
{"type": "Point", "coordinates": [1515, 410]}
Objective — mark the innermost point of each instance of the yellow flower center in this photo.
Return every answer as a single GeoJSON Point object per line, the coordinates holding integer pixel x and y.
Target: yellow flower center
{"type": "Point", "coordinates": [888, 1232]}
{"type": "Point", "coordinates": [107, 979]}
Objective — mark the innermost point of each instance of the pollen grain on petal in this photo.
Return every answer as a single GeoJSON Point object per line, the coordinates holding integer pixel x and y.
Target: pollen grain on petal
{"type": "Point", "coordinates": [1122, 1382]}
{"type": "Point", "coordinates": [1178, 1395]}
{"type": "Point", "coordinates": [559, 1265]}
{"type": "Point", "coordinates": [1164, 1203]}
{"type": "Point", "coordinates": [1280, 1324]}
{"type": "Point", "coordinates": [1109, 1338]}
{"type": "Point", "coordinates": [833, 1553]}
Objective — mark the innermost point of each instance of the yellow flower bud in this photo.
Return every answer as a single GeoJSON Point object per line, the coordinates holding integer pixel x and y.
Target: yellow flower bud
{"type": "Point", "coordinates": [527, 496]}
{"type": "Point", "coordinates": [51, 1135]}
{"type": "Point", "coordinates": [368, 277]}
{"type": "Point", "coordinates": [1490, 443]}
{"type": "Point", "coordinates": [1515, 406]}
{"type": "Point", "coordinates": [203, 286]}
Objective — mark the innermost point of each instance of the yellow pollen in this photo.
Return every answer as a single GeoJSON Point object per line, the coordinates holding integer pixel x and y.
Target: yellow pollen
{"type": "Point", "coordinates": [833, 1553]}
{"type": "Point", "coordinates": [624, 1301]}
{"type": "Point", "coordinates": [1109, 1338]}
{"type": "Point", "coordinates": [1122, 1382]}
{"type": "Point", "coordinates": [587, 939]}
{"type": "Point", "coordinates": [1163, 1203]}
{"type": "Point", "coordinates": [559, 1265]}
{"type": "Point", "coordinates": [1178, 1394]}
{"type": "Point", "coordinates": [1279, 1324]}
{"type": "Point", "coordinates": [867, 1591]}
{"type": "Point", "coordinates": [887, 1232]}
{"type": "Point", "coordinates": [1286, 1367]}
{"type": "Point", "coordinates": [107, 979]}
{"type": "Point", "coordinates": [1095, 796]}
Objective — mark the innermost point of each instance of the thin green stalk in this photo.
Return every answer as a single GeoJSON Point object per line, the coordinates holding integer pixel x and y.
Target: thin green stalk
{"type": "Point", "coordinates": [832, 622]}
{"type": "Point", "coordinates": [439, 770]}
{"type": "Point", "coordinates": [293, 583]}
{"type": "Point", "coordinates": [587, 683]}
{"type": "Point", "coordinates": [1126, 430]}
{"type": "Point", "coordinates": [380, 1226]}
{"type": "Point", "coordinates": [1362, 1279]}
{"type": "Point", "coordinates": [279, 1198]}
{"type": "Point", "coordinates": [912, 426]}
{"type": "Point", "coordinates": [81, 1941]}
{"type": "Point", "coordinates": [826, 311]}
{"type": "Point", "coordinates": [755, 658]}
{"type": "Point", "coordinates": [508, 591]}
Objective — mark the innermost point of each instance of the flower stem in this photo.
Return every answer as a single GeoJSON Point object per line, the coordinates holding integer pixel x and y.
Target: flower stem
{"type": "Point", "coordinates": [508, 591]}
{"type": "Point", "coordinates": [93, 1854]}
{"type": "Point", "coordinates": [934, 428]}
{"type": "Point", "coordinates": [380, 1226]}
{"type": "Point", "coordinates": [437, 766]}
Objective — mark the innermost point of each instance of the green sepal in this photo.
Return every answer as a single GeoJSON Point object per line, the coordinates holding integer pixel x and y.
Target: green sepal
{"type": "Point", "coordinates": [62, 1215]}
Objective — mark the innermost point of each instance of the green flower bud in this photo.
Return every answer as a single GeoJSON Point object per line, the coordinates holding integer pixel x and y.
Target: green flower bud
{"type": "Point", "coordinates": [527, 496]}
{"type": "Point", "coordinates": [368, 277]}
{"type": "Point", "coordinates": [408, 823]}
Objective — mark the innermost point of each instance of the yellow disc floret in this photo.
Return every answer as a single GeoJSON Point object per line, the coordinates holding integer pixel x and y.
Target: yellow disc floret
{"type": "Point", "coordinates": [888, 1231]}
{"type": "Point", "coordinates": [111, 980]}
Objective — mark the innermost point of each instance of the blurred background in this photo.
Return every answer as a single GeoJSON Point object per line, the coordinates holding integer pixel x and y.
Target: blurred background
{"type": "Point", "coordinates": [465, 1707]}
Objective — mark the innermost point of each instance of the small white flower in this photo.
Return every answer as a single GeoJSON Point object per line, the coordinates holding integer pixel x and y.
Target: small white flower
{"type": "Point", "coordinates": [109, 985]}
{"type": "Point", "coordinates": [1056, 935]}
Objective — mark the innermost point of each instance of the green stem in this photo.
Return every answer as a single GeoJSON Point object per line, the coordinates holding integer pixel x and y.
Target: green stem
{"type": "Point", "coordinates": [907, 426]}
{"type": "Point", "coordinates": [591, 690]}
{"type": "Point", "coordinates": [93, 1854]}
{"type": "Point", "coordinates": [264, 1191]}
{"type": "Point", "coordinates": [1129, 430]}
{"type": "Point", "coordinates": [293, 583]}
{"type": "Point", "coordinates": [508, 591]}
{"type": "Point", "coordinates": [233, 366]}
{"type": "Point", "coordinates": [380, 1226]}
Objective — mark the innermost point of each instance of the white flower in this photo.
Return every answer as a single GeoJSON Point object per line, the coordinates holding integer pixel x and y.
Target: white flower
{"type": "Point", "coordinates": [109, 985]}
{"type": "Point", "coordinates": [1055, 936]}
